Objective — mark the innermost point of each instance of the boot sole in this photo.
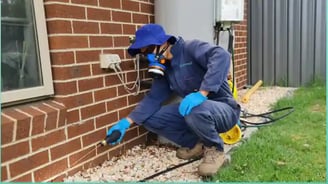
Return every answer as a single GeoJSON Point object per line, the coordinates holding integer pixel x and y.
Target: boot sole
{"type": "Point", "coordinates": [225, 163]}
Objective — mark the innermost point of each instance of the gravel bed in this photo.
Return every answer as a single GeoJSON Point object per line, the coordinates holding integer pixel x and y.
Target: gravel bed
{"type": "Point", "coordinates": [141, 161]}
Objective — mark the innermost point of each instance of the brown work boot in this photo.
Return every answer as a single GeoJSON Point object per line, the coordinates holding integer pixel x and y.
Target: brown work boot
{"type": "Point", "coordinates": [187, 153]}
{"type": "Point", "coordinates": [212, 161]}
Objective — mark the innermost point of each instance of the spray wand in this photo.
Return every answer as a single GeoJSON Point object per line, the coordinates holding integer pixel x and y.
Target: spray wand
{"type": "Point", "coordinates": [114, 136]}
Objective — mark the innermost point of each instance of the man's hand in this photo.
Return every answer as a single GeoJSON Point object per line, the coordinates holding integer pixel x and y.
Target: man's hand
{"type": "Point", "coordinates": [190, 101]}
{"type": "Point", "coordinates": [121, 126]}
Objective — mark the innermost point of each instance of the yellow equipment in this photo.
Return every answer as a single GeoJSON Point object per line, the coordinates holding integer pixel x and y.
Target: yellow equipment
{"type": "Point", "coordinates": [233, 89]}
{"type": "Point", "coordinates": [246, 97]}
{"type": "Point", "coordinates": [233, 135]}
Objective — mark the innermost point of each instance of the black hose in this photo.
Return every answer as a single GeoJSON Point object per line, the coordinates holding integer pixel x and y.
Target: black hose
{"type": "Point", "coordinates": [231, 50]}
{"type": "Point", "coordinates": [266, 115]}
{"type": "Point", "coordinates": [169, 169]}
{"type": "Point", "coordinates": [246, 115]}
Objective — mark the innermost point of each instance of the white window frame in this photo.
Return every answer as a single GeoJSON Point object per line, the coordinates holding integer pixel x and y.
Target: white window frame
{"type": "Point", "coordinates": [47, 88]}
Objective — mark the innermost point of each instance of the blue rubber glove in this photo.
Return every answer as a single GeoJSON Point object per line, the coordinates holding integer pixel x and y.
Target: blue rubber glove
{"type": "Point", "coordinates": [121, 126]}
{"type": "Point", "coordinates": [190, 101]}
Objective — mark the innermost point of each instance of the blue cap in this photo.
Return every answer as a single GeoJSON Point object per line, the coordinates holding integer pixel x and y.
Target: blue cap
{"type": "Point", "coordinates": [149, 34]}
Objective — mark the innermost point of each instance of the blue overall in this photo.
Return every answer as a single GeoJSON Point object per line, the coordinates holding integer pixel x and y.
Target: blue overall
{"type": "Point", "coordinates": [195, 65]}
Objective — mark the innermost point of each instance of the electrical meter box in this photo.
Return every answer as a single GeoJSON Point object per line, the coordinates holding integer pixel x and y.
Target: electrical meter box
{"type": "Point", "coordinates": [229, 10]}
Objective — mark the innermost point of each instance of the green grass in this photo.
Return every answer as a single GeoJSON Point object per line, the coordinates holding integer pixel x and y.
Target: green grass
{"type": "Point", "coordinates": [292, 149]}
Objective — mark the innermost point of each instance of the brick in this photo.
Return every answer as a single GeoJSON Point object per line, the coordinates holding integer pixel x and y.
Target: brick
{"type": "Point", "coordinates": [62, 112]}
{"type": "Point", "coordinates": [79, 129]}
{"type": "Point", "coordinates": [98, 14]}
{"type": "Point", "coordinates": [116, 104]}
{"type": "Point", "coordinates": [105, 94]}
{"type": "Point", "coordinates": [140, 140]}
{"type": "Point", "coordinates": [139, 18]}
{"type": "Point", "coordinates": [7, 130]}
{"type": "Point", "coordinates": [59, 26]}
{"type": "Point", "coordinates": [106, 148]}
{"type": "Point", "coordinates": [38, 119]}
{"type": "Point", "coordinates": [151, 19]}
{"type": "Point", "coordinates": [121, 41]}
{"type": "Point", "coordinates": [86, 2]}
{"type": "Point", "coordinates": [147, 8]}
{"type": "Point", "coordinates": [77, 100]}
{"type": "Point", "coordinates": [73, 116]}
{"type": "Point", "coordinates": [88, 84]}
{"type": "Point", "coordinates": [124, 113]}
{"type": "Point", "coordinates": [29, 163]}
{"type": "Point", "coordinates": [121, 91]}
{"type": "Point", "coordinates": [110, 28]}
{"type": "Point", "coordinates": [135, 99]}
{"type": "Point", "coordinates": [93, 138]}
{"type": "Point", "coordinates": [4, 174]}
{"type": "Point", "coordinates": [85, 27]}
{"type": "Point", "coordinates": [59, 178]}
{"type": "Point", "coordinates": [71, 72]}
{"type": "Point", "coordinates": [93, 110]}
{"type": "Point", "coordinates": [64, 11]}
{"type": "Point", "coordinates": [67, 42]}
{"type": "Point", "coordinates": [65, 149]}
{"type": "Point", "coordinates": [112, 80]}
{"type": "Point", "coordinates": [61, 72]}
{"type": "Point", "coordinates": [51, 118]}
{"type": "Point", "coordinates": [130, 134]}
{"type": "Point", "coordinates": [65, 88]}
{"type": "Point", "coordinates": [129, 29]}
{"type": "Point", "coordinates": [98, 161]}
{"type": "Point", "coordinates": [87, 56]}
{"type": "Point", "coordinates": [47, 140]}
{"type": "Point", "coordinates": [101, 41]}
{"type": "Point", "coordinates": [131, 77]}
{"type": "Point", "coordinates": [121, 16]}
{"type": "Point", "coordinates": [23, 122]}
{"type": "Point", "coordinates": [50, 170]}
{"type": "Point", "coordinates": [62, 58]}
{"type": "Point", "coordinates": [110, 4]}
{"type": "Point", "coordinates": [96, 70]}
{"type": "Point", "coordinates": [142, 130]}
{"type": "Point", "coordinates": [14, 151]}
{"type": "Point", "coordinates": [25, 178]}
{"type": "Point", "coordinates": [80, 71]}
{"type": "Point", "coordinates": [82, 156]}
{"type": "Point", "coordinates": [130, 5]}
{"type": "Point", "coordinates": [74, 171]}
{"type": "Point", "coordinates": [106, 119]}
{"type": "Point", "coordinates": [63, 1]}
{"type": "Point", "coordinates": [114, 152]}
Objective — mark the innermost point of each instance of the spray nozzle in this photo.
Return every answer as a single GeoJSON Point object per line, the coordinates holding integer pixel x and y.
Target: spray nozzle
{"type": "Point", "coordinates": [114, 136]}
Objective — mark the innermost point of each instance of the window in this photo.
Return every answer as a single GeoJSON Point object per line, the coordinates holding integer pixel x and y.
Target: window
{"type": "Point", "coordinates": [25, 61]}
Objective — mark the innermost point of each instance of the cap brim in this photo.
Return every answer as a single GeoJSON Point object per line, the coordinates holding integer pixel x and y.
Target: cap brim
{"type": "Point", "coordinates": [134, 49]}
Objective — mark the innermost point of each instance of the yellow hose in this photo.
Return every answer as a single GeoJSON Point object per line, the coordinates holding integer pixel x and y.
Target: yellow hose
{"type": "Point", "coordinates": [248, 94]}
{"type": "Point", "coordinates": [234, 89]}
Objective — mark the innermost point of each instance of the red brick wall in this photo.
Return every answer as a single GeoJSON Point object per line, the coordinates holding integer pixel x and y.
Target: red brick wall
{"type": "Point", "coordinates": [241, 52]}
{"type": "Point", "coordinates": [43, 141]}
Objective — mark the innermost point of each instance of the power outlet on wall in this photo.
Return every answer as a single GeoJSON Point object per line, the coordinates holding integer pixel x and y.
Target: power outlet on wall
{"type": "Point", "coordinates": [109, 60]}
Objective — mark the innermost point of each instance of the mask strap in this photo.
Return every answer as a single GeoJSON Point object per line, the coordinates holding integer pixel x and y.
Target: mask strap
{"type": "Point", "coordinates": [159, 53]}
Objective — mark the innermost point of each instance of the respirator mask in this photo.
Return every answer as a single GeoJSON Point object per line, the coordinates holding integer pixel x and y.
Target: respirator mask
{"type": "Point", "coordinates": [157, 63]}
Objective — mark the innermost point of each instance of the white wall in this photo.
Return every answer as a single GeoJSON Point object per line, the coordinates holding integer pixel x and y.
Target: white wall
{"type": "Point", "coordinates": [191, 19]}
